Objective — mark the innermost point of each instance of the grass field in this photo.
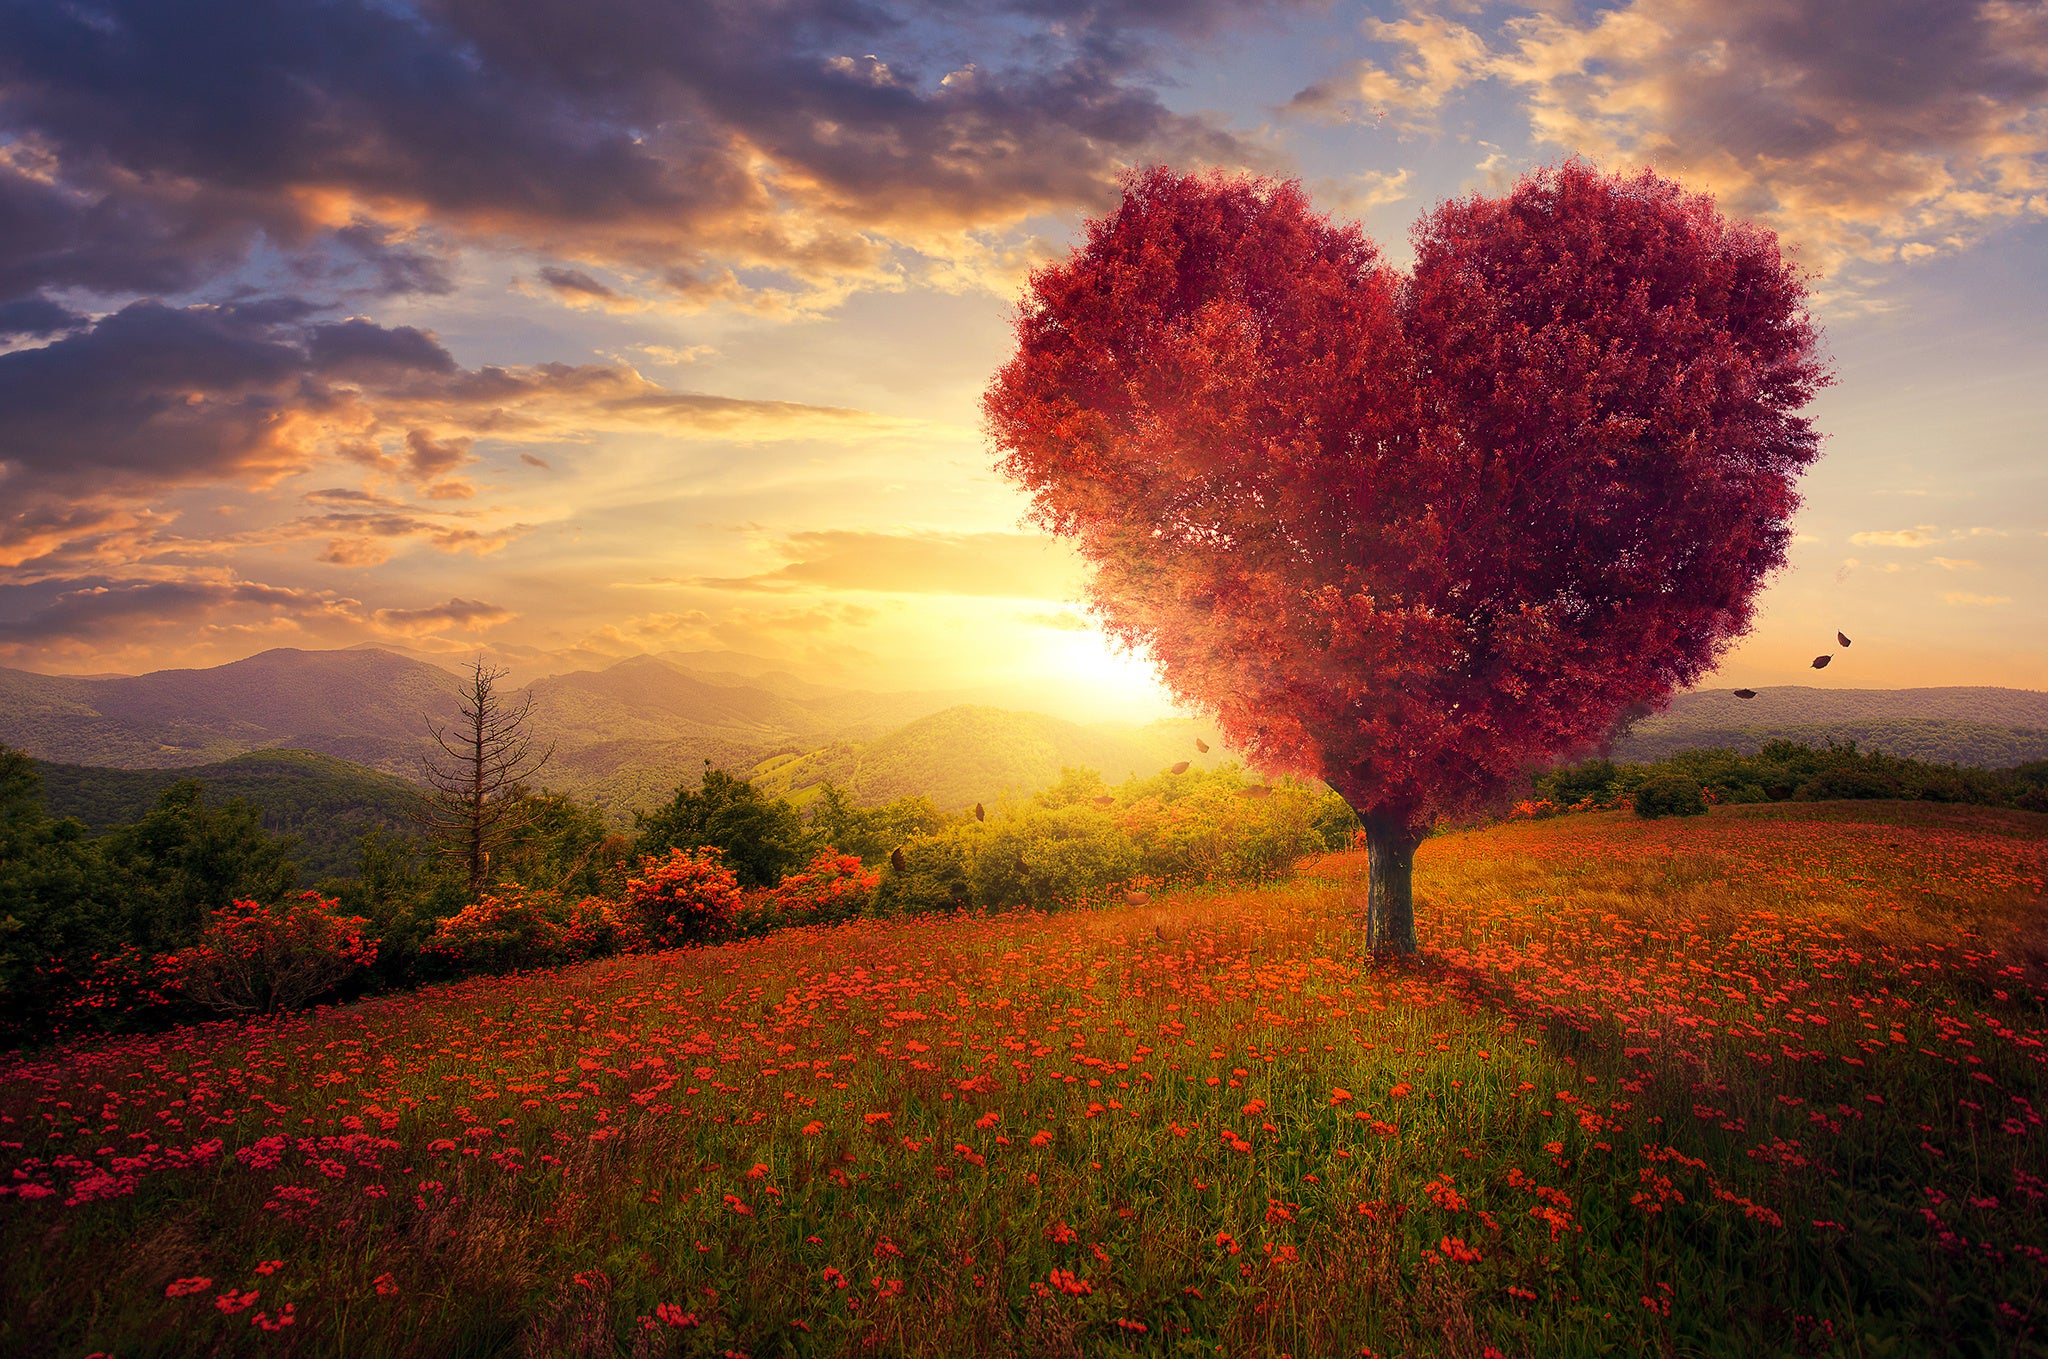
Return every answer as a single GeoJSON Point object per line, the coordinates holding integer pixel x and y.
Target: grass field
{"type": "Point", "coordinates": [1766, 1082]}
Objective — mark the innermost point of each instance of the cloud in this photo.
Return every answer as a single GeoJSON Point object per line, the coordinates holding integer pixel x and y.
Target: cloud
{"type": "Point", "coordinates": [351, 497]}
{"type": "Point", "coordinates": [1440, 58]}
{"type": "Point", "coordinates": [1956, 597]}
{"type": "Point", "coordinates": [577, 288]}
{"type": "Point", "coordinates": [1064, 620]}
{"type": "Point", "coordinates": [34, 318]}
{"type": "Point", "coordinates": [153, 397]}
{"type": "Point", "coordinates": [1002, 565]}
{"type": "Point", "coordinates": [654, 631]}
{"type": "Point", "coordinates": [1954, 563]}
{"type": "Point", "coordinates": [1890, 133]}
{"type": "Point", "coordinates": [462, 615]}
{"type": "Point", "coordinates": [1356, 195]}
{"type": "Point", "coordinates": [113, 611]}
{"type": "Point", "coordinates": [750, 153]}
{"type": "Point", "coordinates": [1922, 536]}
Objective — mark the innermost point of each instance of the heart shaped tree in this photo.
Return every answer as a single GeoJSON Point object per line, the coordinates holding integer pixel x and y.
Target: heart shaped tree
{"type": "Point", "coordinates": [1415, 535]}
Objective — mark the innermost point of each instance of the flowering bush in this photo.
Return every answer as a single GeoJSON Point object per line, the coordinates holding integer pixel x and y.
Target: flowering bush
{"type": "Point", "coordinates": [516, 927]}
{"type": "Point", "coordinates": [684, 897]}
{"type": "Point", "coordinates": [831, 888]}
{"type": "Point", "coordinates": [257, 958]}
{"type": "Point", "coordinates": [595, 927]}
{"type": "Point", "coordinates": [511, 927]}
{"type": "Point", "coordinates": [103, 991]}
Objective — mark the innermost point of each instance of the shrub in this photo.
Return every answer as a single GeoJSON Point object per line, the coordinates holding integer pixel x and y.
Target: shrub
{"type": "Point", "coordinates": [254, 958]}
{"type": "Point", "coordinates": [103, 991]}
{"type": "Point", "coordinates": [832, 887]}
{"type": "Point", "coordinates": [1850, 781]}
{"type": "Point", "coordinates": [597, 927]}
{"type": "Point", "coordinates": [684, 897]}
{"type": "Point", "coordinates": [1669, 795]}
{"type": "Point", "coordinates": [509, 928]}
{"type": "Point", "coordinates": [1592, 782]}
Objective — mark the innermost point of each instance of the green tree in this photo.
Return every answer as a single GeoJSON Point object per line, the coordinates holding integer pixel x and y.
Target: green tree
{"type": "Point", "coordinates": [761, 839]}
{"type": "Point", "coordinates": [564, 846]}
{"type": "Point", "coordinates": [57, 905]}
{"type": "Point", "coordinates": [186, 857]}
{"type": "Point", "coordinates": [21, 801]}
{"type": "Point", "coordinates": [870, 832]}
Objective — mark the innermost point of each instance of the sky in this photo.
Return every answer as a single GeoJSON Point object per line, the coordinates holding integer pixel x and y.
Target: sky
{"type": "Point", "coordinates": [572, 330]}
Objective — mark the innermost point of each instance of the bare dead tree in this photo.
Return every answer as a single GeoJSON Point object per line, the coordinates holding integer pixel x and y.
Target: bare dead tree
{"type": "Point", "coordinates": [486, 757]}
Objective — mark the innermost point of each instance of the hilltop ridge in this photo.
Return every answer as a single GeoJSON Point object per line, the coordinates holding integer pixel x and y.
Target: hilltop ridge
{"type": "Point", "coordinates": [625, 734]}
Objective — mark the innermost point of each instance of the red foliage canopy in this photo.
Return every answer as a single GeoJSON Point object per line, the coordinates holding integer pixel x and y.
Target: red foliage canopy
{"type": "Point", "coordinates": [1413, 534]}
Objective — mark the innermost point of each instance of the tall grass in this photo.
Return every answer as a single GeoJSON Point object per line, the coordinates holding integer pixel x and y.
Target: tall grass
{"type": "Point", "coordinates": [1763, 1082]}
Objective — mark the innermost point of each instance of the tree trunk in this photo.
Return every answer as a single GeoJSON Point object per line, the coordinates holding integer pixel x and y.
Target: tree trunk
{"type": "Point", "coordinates": [1390, 884]}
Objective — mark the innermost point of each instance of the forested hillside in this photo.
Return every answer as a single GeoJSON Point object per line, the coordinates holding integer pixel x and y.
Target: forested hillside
{"type": "Point", "coordinates": [328, 803]}
{"type": "Point", "coordinates": [366, 706]}
{"type": "Point", "coordinates": [1984, 727]}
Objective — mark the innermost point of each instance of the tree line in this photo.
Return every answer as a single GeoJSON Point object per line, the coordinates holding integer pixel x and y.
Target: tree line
{"type": "Point", "coordinates": [1690, 780]}
{"type": "Point", "coordinates": [144, 919]}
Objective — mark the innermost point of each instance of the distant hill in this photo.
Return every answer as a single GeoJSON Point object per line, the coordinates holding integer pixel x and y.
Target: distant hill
{"type": "Point", "coordinates": [327, 802]}
{"type": "Point", "coordinates": [637, 723]}
{"type": "Point", "coordinates": [1986, 727]}
{"type": "Point", "coordinates": [627, 734]}
{"type": "Point", "coordinates": [366, 706]}
{"type": "Point", "coordinates": [970, 753]}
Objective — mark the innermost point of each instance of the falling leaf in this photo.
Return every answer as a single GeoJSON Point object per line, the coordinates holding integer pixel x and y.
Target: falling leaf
{"type": "Point", "coordinates": [1256, 790]}
{"type": "Point", "coordinates": [896, 859]}
{"type": "Point", "coordinates": [1821, 662]}
{"type": "Point", "coordinates": [1180, 768]}
{"type": "Point", "coordinates": [1105, 801]}
{"type": "Point", "coordinates": [1745, 693]}
{"type": "Point", "coordinates": [1201, 745]}
{"type": "Point", "coordinates": [1842, 638]}
{"type": "Point", "coordinates": [979, 814]}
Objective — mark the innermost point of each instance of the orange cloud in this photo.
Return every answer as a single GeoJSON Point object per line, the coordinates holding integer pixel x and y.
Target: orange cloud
{"type": "Point", "coordinates": [1005, 565]}
{"type": "Point", "coordinates": [1882, 134]}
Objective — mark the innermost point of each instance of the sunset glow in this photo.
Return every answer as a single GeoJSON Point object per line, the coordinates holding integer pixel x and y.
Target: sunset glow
{"type": "Point", "coordinates": [574, 332]}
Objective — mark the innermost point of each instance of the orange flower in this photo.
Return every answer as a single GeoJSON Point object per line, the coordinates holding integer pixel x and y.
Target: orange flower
{"type": "Point", "coordinates": [1456, 1249]}
{"type": "Point", "coordinates": [1065, 1281]}
{"type": "Point", "coordinates": [1339, 1096]}
{"type": "Point", "coordinates": [185, 1288]}
{"type": "Point", "coordinates": [268, 1322]}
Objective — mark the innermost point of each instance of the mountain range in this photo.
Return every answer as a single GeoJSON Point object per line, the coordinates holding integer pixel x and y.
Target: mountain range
{"type": "Point", "coordinates": [627, 734]}
{"type": "Point", "coordinates": [624, 736]}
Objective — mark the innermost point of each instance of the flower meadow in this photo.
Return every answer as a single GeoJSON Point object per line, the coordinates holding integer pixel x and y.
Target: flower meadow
{"type": "Point", "coordinates": [1767, 1081]}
